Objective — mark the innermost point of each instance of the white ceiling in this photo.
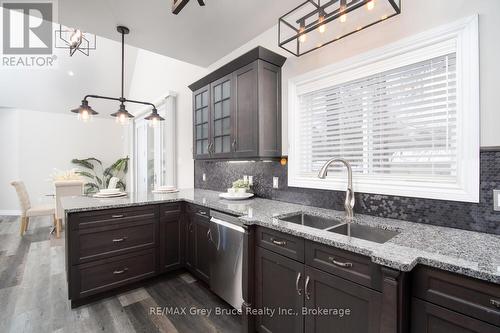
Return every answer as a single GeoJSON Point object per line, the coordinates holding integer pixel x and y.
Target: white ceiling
{"type": "Point", "coordinates": [55, 90]}
{"type": "Point", "coordinates": [198, 35]}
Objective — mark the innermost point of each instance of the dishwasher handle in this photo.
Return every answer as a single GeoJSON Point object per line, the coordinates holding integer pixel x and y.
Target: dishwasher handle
{"type": "Point", "coordinates": [227, 225]}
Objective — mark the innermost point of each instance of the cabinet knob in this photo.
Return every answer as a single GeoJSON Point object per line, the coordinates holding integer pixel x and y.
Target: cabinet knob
{"type": "Point", "coordinates": [119, 240]}
{"type": "Point", "coordinates": [277, 242]}
{"type": "Point", "coordinates": [120, 271]}
{"type": "Point", "coordinates": [339, 263]}
{"type": "Point", "coordinates": [306, 288]}
{"type": "Point", "coordinates": [299, 290]}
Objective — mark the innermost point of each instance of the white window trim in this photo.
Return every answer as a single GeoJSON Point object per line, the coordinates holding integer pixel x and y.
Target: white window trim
{"type": "Point", "coordinates": [461, 37]}
{"type": "Point", "coordinates": [170, 138]}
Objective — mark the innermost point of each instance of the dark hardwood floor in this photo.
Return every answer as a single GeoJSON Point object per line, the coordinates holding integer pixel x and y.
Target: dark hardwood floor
{"type": "Point", "coordinates": [33, 294]}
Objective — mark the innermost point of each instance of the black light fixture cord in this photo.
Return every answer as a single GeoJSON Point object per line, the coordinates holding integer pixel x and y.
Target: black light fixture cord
{"type": "Point", "coordinates": [123, 61]}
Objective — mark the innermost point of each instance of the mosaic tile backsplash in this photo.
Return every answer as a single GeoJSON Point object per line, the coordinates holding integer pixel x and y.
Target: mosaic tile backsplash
{"type": "Point", "coordinates": [469, 216]}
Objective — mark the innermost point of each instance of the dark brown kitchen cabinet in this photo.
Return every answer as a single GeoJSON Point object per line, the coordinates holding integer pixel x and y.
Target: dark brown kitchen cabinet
{"type": "Point", "coordinates": [447, 302]}
{"type": "Point", "coordinates": [221, 117]}
{"type": "Point", "coordinates": [430, 318]}
{"type": "Point", "coordinates": [279, 286]}
{"type": "Point", "coordinates": [197, 242]}
{"type": "Point", "coordinates": [202, 248]}
{"type": "Point", "coordinates": [201, 123]}
{"type": "Point", "coordinates": [246, 120]}
{"type": "Point", "coordinates": [244, 112]}
{"type": "Point", "coordinates": [353, 308]}
{"type": "Point", "coordinates": [171, 237]}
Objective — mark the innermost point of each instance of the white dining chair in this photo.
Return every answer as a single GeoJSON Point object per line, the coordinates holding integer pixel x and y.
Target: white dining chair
{"type": "Point", "coordinates": [65, 188]}
{"type": "Point", "coordinates": [28, 211]}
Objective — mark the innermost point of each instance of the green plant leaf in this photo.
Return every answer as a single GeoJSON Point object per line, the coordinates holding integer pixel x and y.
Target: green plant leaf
{"type": "Point", "coordinates": [85, 174]}
{"type": "Point", "coordinates": [121, 185]}
{"type": "Point", "coordinates": [91, 188]}
{"type": "Point", "coordinates": [83, 163]}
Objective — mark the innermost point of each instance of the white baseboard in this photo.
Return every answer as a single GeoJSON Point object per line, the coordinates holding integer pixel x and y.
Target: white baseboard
{"type": "Point", "coordinates": [10, 212]}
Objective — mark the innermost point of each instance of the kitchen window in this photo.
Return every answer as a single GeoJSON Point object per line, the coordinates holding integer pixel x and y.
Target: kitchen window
{"type": "Point", "coordinates": [405, 116]}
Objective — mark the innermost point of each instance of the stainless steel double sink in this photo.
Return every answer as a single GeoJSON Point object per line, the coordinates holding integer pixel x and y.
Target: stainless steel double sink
{"type": "Point", "coordinates": [365, 232]}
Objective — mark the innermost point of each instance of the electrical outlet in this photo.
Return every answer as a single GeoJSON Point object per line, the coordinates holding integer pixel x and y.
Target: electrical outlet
{"type": "Point", "coordinates": [204, 177]}
{"type": "Point", "coordinates": [250, 180]}
{"type": "Point", "coordinates": [275, 182]}
{"type": "Point", "coordinates": [496, 200]}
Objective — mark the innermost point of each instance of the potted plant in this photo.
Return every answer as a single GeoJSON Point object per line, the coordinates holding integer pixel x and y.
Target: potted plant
{"type": "Point", "coordinates": [240, 186]}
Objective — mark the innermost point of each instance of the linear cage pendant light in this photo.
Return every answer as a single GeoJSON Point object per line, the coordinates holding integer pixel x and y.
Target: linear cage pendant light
{"type": "Point", "coordinates": [316, 23]}
{"type": "Point", "coordinates": [85, 112]}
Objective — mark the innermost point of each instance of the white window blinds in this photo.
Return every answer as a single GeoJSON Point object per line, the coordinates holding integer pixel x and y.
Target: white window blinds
{"type": "Point", "coordinates": [399, 124]}
{"type": "Point", "coordinates": [405, 115]}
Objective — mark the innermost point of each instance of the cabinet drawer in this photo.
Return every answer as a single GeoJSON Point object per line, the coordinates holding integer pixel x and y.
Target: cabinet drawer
{"type": "Point", "coordinates": [98, 243]}
{"type": "Point", "coordinates": [475, 298]}
{"type": "Point", "coordinates": [113, 216]}
{"type": "Point", "coordinates": [287, 245]}
{"type": "Point", "coordinates": [95, 277]}
{"type": "Point", "coordinates": [348, 265]}
{"type": "Point", "coordinates": [170, 209]}
{"type": "Point", "coordinates": [198, 210]}
{"type": "Point", "coordinates": [430, 318]}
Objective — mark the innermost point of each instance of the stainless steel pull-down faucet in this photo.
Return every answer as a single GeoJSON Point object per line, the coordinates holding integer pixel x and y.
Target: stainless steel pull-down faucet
{"type": "Point", "coordinates": [349, 194]}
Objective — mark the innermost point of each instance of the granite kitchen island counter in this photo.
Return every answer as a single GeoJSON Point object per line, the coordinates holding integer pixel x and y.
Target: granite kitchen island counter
{"type": "Point", "coordinates": [467, 253]}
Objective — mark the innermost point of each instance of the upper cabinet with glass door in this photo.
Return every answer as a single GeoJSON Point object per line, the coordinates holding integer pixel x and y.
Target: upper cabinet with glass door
{"type": "Point", "coordinates": [201, 121]}
{"type": "Point", "coordinates": [244, 112]}
{"type": "Point", "coordinates": [221, 118]}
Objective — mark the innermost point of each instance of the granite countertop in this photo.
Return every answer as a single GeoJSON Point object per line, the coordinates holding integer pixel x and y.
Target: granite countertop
{"type": "Point", "coordinates": [464, 252]}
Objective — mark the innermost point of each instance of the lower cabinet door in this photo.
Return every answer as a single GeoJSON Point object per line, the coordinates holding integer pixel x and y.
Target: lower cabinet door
{"type": "Point", "coordinates": [279, 286]}
{"type": "Point", "coordinates": [202, 225]}
{"type": "Point", "coordinates": [190, 242]}
{"type": "Point", "coordinates": [430, 318]}
{"type": "Point", "coordinates": [336, 305]}
{"type": "Point", "coordinates": [171, 240]}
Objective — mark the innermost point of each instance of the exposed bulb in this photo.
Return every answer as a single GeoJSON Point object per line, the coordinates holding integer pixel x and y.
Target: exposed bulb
{"type": "Point", "coordinates": [75, 38]}
{"type": "Point", "coordinates": [84, 116]}
{"type": "Point", "coordinates": [153, 122]}
{"type": "Point", "coordinates": [343, 18]}
{"type": "Point", "coordinates": [370, 5]}
{"type": "Point", "coordinates": [302, 37]}
{"type": "Point", "coordinates": [322, 27]}
{"type": "Point", "coordinates": [122, 119]}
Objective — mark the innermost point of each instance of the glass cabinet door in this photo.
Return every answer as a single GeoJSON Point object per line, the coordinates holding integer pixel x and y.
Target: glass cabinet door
{"type": "Point", "coordinates": [221, 117]}
{"type": "Point", "coordinates": [201, 122]}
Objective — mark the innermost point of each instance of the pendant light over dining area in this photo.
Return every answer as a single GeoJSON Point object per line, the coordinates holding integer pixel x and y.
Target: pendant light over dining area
{"type": "Point", "coordinates": [85, 112]}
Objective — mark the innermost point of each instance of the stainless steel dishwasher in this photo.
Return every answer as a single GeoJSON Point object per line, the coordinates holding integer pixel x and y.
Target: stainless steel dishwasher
{"type": "Point", "coordinates": [226, 234]}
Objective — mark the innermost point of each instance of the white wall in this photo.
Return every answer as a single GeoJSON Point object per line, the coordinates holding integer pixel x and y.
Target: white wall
{"type": "Point", "coordinates": [154, 76]}
{"type": "Point", "coordinates": [33, 143]}
{"type": "Point", "coordinates": [417, 16]}
{"type": "Point", "coordinates": [9, 152]}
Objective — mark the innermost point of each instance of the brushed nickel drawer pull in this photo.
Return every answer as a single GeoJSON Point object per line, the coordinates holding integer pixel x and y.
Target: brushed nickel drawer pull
{"type": "Point", "coordinates": [308, 294]}
{"type": "Point", "coordinates": [277, 242]}
{"type": "Point", "coordinates": [299, 290]}
{"type": "Point", "coordinates": [495, 303]}
{"type": "Point", "coordinates": [202, 212]}
{"type": "Point", "coordinates": [120, 271]}
{"type": "Point", "coordinates": [339, 263]}
{"type": "Point", "coordinates": [119, 240]}
{"type": "Point", "coordinates": [117, 216]}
